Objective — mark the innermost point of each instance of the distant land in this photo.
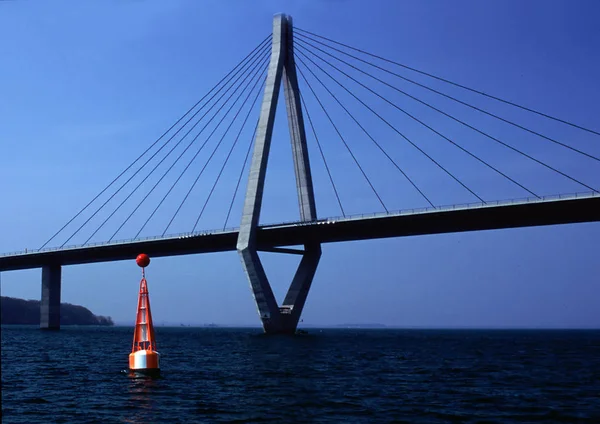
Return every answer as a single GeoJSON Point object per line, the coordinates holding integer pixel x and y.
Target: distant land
{"type": "Point", "coordinates": [253, 325]}
{"type": "Point", "coordinates": [27, 312]}
{"type": "Point", "coordinates": [354, 325]}
{"type": "Point", "coordinates": [376, 325]}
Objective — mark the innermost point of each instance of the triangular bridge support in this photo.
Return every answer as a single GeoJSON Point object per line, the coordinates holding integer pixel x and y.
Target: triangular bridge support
{"type": "Point", "coordinates": [276, 319]}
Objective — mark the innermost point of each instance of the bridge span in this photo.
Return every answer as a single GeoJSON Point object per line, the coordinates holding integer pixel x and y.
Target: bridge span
{"type": "Point", "coordinates": [561, 210]}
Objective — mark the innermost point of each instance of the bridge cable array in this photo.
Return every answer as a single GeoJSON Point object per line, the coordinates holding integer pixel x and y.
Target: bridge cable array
{"type": "Point", "coordinates": [344, 142]}
{"type": "Point", "coordinates": [306, 34]}
{"type": "Point", "coordinates": [265, 65]}
{"type": "Point", "coordinates": [255, 70]}
{"type": "Point", "coordinates": [233, 71]}
{"type": "Point", "coordinates": [465, 124]}
{"type": "Point", "coordinates": [335, 190]}
{"type": "Point", "coordinates": [245, 77]}
{"type": "Point", "coordinates": [312, 58]}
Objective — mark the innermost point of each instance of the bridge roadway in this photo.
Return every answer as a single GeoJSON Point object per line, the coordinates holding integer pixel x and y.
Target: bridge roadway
{"type": "Point", "coordinates": [408, 223]}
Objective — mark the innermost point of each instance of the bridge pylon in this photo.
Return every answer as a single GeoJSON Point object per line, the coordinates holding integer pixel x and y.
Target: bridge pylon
{"type": "Point", "coordinates": [279, 319]}
{"type": "Point", "coordinates": [50, 303]}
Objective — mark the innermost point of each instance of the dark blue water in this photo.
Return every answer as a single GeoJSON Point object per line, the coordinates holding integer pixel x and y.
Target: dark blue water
{"type": "Point", "coordinates": [335, 376]}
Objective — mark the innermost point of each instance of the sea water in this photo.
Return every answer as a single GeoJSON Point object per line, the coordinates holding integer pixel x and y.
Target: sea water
{"type": "Point", "coordinates": [213, 375]}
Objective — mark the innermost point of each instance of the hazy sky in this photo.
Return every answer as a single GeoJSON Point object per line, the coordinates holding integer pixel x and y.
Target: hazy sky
{"type": "Point", "coordinates": [85, 87]}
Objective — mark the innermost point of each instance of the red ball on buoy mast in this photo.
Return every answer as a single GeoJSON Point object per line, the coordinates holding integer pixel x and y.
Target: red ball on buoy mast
{"type": "Point", "coordinates": [143, 356]}
{"type": "Point", "coordinates": [142, 260]}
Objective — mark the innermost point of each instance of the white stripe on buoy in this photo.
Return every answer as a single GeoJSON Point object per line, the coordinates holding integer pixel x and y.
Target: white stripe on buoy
{"type": "Point", "coordinates": [144, 359]}
{"type": "Point", "coordinates": [139, 359]}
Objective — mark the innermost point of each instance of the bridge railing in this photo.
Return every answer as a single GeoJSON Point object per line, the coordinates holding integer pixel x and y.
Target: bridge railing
{"type": "Point", "coordinates": [413, 211]}
{"type": "Point", "coordinates": [462, 206]}
{"type": "Point", "coordinates": [121, 241]}
{"type": "Point", "coordinates": [442, 208]}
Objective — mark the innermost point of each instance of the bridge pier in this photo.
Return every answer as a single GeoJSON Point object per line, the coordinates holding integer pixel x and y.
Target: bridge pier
{"type": "Point", "coordinates": [50, 303]}
{"type": "Point", "coordinates": [294, 300]}
{"type": "Point", "coordinates": [275, 319]}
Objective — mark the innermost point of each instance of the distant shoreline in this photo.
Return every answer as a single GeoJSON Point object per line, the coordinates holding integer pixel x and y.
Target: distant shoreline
{"type": "Point", "coordinates": [15, 311]}
{"type": "Point", "coordinates": [331, 327]}
{"type": "Point", "coordinates": [339, 327]}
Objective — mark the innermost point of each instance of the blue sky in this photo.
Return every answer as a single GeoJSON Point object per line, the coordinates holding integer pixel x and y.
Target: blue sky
{"type": "Point", "coordinates": [86, 87]}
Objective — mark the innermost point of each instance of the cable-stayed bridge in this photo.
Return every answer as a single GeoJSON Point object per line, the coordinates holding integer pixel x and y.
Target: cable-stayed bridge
{"type": "Point", "coordinates": [403, 140]}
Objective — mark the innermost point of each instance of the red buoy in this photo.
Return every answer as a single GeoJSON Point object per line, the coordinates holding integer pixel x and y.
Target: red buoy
{"type": "Point", "coordinates": [144, 357]}
{"type": "Point", "coordinates": [142, 260]}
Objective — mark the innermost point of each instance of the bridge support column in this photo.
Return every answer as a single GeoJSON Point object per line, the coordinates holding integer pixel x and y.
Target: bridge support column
{"type": "Point", "coordinates": [293, 304]}
{"type": "Point", "coordinates": [50, 303]}
{"type": "Point", "coordinates": [275, 319]}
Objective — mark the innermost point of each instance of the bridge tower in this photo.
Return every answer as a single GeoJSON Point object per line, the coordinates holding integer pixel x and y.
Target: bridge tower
{"type": "Point", "coordinates": [279, 319]}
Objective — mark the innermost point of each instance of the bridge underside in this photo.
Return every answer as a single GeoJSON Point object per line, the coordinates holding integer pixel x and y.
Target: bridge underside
{"type": "Point", "coordinates": [449, 221]}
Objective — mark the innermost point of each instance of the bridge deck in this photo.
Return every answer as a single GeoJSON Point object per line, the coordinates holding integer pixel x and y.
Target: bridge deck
{"type": "Point", "coordinates": [406, 223]}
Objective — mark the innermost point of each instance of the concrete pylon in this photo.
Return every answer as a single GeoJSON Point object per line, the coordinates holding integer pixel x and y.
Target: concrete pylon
{"type": "Point", "coordinates": [50, 303]}
{"type": "Point", "coordinates": [275, 319]}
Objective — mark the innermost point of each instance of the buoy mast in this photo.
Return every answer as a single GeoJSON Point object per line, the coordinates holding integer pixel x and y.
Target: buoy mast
{"type": "Point", "coordinates": [143, 356]}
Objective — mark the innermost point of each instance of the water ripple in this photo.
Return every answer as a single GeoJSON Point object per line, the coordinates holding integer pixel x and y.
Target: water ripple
{"type": "Point", "coordinates": [331, 376]}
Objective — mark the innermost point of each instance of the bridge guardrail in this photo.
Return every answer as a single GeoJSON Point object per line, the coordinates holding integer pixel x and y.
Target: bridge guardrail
{"type": "Point", "coordinates": [461, 206]}
{"type": "Point", "coordinates": [413, 211]}
{"type": "Point", "coordinates": [122, 241]}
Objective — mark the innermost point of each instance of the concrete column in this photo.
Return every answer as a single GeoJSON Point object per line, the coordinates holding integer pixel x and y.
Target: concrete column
{"type": "Point", "coordinates": [295, 298]}
{"type": "Point", "coordinates": [276, 319]}
{"type": "Point", "coordinates": [294, 301]}
{"type": "Point", "coordinates": [50, 304]}
{"type": "Point", "coordinates": [304, 185]}
{"type": "Point", "coordinates": [246, 244]}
